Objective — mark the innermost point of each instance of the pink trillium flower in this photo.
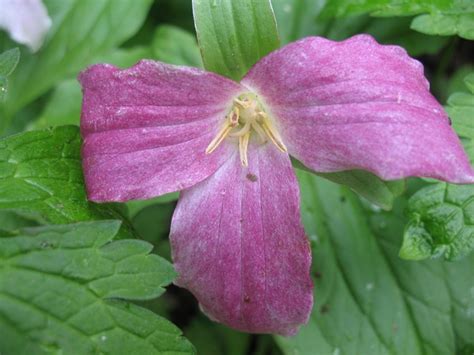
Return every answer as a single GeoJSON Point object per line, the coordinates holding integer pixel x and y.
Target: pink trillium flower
{"type": "Point", "coordinates": [237, 239]}
{"type": "Point", "coordinates": [27, 21]}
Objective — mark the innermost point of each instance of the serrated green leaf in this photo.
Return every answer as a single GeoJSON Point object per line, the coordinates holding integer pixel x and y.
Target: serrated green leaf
{"type": "Point", "coordinates": [81, 30]}
{"type": "Point", "coordinates": [40, 171]}
{"type": "Point", "coordinates": [439, 293]}
{"type": "Point", "coordinates": [56, 286]}
{"type": "Point", "coordinates": [176, 46]}
{"type": "Point", "coordinates": [379, 192]}
{"type": "Point", "coordinates": [358, 274]}
{"type": "Point", "coordinates": [439, 17]}
{"type": "Point", "coordinates": [441, 222]}
{"type": "Point", "coordinates": [234, 35]}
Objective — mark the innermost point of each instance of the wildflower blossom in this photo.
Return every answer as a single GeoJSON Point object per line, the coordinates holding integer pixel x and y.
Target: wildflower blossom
{"type": "Point", "coordinates": [237, 238]}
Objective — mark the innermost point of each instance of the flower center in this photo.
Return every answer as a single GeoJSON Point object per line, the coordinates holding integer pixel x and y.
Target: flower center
{"type": "Point", "coordinates": [246, 116]}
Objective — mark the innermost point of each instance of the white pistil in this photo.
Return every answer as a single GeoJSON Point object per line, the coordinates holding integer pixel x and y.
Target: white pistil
{"type": "Point", "coordinates": [246, 116]}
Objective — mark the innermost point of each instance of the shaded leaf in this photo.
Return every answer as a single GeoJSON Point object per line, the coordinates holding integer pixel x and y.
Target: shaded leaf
{"type": "Point", "coordinates": [379, 192]}
{"type": "Point", "coordinates": [176, 46]}
{"type": "Point", "coordinates": [56, 286]}
{"type": "Point", "coordinates": [64, 105]}
{"type": "Point", "coordinates": [81, 30]}
{"type": "Point", "coordinates": [8, 62]}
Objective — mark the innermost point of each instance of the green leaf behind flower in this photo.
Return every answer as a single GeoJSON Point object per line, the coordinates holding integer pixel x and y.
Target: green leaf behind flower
{"type": "Point", "coordinates": [368, 300]}
{"type": "Point", "coordinates": [438, 17]}
{"type": "Point", "coordinates": [82, 29]}
{"type": "Point", "coordinates": [57, 290]}
{"type": "Point", "coordinates": [40, 171]}
{"type": "Point", "coordinates": [234, 35]}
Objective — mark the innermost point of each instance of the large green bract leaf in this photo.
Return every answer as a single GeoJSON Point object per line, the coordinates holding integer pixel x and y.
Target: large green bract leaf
{"type": "Point", "coordinates": [41, 171]}
{"type": "Point", "coordinates": [82, 29]}
{"type": "Point", "coordinates": [56, 290]}
{"type": "Point", "coordinates": [234, 35]}
{"type": "Point", "coordinates": [367, 300]}
{"type": "Point", "coordinates": [441, 222]}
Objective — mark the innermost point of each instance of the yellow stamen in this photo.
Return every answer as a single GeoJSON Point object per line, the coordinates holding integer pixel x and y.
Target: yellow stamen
{"type": "Point", "coordinates": [218, 139]}
{"type": "Point", "coordinates": [273, 135]}
{"type": "Point", "coordinates": [243, 146]}
{"type": "Point", "coordinates": [247, 115]}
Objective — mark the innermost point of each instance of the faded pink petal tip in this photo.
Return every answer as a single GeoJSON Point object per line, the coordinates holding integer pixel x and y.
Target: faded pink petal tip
{"type": "Point", "coordinates": [357, 104]}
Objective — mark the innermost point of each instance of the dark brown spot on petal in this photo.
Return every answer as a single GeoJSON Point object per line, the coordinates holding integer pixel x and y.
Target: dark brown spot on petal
{"type": "Point", "coordinates": [247, 299]}
{"type": "Point", "coordinates": [252, 177]}
{"type": "Point", "coordinates": [324, 309]}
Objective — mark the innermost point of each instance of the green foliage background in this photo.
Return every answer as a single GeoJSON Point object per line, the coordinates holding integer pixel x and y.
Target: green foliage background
{"type": "Point", "coordinates": [393, 263]}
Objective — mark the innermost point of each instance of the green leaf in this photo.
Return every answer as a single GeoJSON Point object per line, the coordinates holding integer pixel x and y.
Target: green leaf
{"type": "Point", "coordinates": [152, 224]}
{"type": "Point", "coordinates": [82, 30]}
{"type": "Point", "coordinates": [176, 46]}
{"type": "Point", "coordinates": [40, 171]}
{"type": "Point", "coordinates": [56, 290]}
{"type": "Point", "coordinates": [212, 338]}
{"type": "Point", "coordinates": [136, 206]}
{"type": "Point", "coordinates": [439, 293]}
{"type": "Point", "coordinates": [441, 222]}
{"type": "Point", "coordinates": [8, 62]}
{"type": "Point", "coordinates": [11, 220]}
{"type": "Point", "coordinates": [298, 18]}
{"type": "Point", "coordinates": [461, 109]}
{"type": "Point", "coordinates": [445, 24]}
{"type": "Point", "coordinates": [439, 17]}
{"type": "Point", "coordinates": [367, 300]}
{"type": "Point", "coordinates": [234, 35]}
{"type": "Point", "coordinates": [63, 106]}
{"type": "Point", "coordinates": [379, 192]}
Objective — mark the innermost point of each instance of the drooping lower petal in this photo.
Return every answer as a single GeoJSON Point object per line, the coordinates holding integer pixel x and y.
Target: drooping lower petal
{"type": "Point", "coordinates": [239, 246]}
{"type": "Point", "coordinates": [146, 128]}
{"type": "Point", "coordinates": [357, 104]}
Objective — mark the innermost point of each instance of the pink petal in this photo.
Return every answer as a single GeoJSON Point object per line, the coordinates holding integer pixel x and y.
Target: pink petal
{"type": "Point", "coordinates": [356, 104]}
{"type": "Point", "coordinates": [27, 21]}
{"type": "Point", "coordinates": [146, 128]}
{"type": "Point", "coordinates": [239, 245]}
